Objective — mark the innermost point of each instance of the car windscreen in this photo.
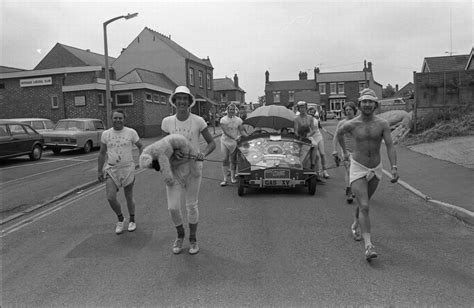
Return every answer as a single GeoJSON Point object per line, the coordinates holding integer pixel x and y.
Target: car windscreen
{"type": "Point", "coordinates": [70, 125]}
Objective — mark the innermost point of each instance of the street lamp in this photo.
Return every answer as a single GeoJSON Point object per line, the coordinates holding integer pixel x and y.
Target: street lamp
{"type": "Point", "coordinates": [108, 103]}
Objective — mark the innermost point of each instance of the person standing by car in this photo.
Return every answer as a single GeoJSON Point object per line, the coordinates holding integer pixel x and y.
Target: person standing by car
{"type": "Point", "coordinates": [318, 143]}
{"type": "Point", "coordinates": [367, 131]}
{"type": "Point", "coordinates": [232, 129]}
{"type": "Point", "coordinates": [192, 127]}
{"type": "Point", "coordinates": [119, 169]}
{"type": "Point", "coordinates": [350, 111]}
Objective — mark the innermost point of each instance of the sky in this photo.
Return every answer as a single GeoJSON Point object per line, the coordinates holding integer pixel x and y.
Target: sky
{"type": "Point", "coordinates": [248, 38]}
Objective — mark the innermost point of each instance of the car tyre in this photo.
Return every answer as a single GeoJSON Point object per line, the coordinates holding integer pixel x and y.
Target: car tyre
{"type": "Point", "coordinates": [56, 150]}
{"type": "Point", "coordinates": [312, 185]}
{"type": "Point", "coordinates": [87, 147]}
{"type": "Point", "coordinates": [36, 153]}
{"type": "Point", "coordinates": [240, 190]}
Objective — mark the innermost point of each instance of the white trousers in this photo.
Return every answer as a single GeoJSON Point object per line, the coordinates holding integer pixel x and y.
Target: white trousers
{"type": "Point", "coordinates": [191, 193]}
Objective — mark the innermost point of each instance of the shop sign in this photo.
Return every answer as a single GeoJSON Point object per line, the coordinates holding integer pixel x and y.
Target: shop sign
{"type": "Point", "coordinates": [34, 82]}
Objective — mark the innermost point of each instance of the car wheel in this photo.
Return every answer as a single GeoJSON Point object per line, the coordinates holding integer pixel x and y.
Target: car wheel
{"type": "Point", "coordinates": [87, 147]}
{"type": "Point", "coordinates": [56, 150]}
{"type": "Point", "coordinates": [312, 185]}
{"type": "Point", "coordinates": [240, 190]}
{"type": "Point", "coordinates": [36, 153]}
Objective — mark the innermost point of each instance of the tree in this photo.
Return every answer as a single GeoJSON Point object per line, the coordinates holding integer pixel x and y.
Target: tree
{"type": "Point", "coordinates": [388, 91]}
{"type": "Point", "coordinates": [261, 100]}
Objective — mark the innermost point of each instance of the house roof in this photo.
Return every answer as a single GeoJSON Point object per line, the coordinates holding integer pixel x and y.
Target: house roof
{"type": "Point", "coordinates": [343, 76]}
{"type": "Point", "coordinates": [308, 96]}
{"type": "Point", "coordinates": [404, 90]}
{"type": "Point", "coordinates": [290, 85]}
{"type": "Point", "coordinates": [139, 75]}
{"type": "Point", "coordinates": [445, 63]}
{"type": "Point", "coordinates": [225, 84]}
{"type": "Point", "coordinates": [178, 49]}
{"type": "Point", "coordinates": [87, 56]}
{"type": "Point", "coordinates": [7, 69]}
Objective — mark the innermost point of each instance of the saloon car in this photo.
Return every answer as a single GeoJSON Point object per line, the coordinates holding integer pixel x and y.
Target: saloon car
{"type": "Point", "coordinates": [74, 133]}
{"type": "Point", "coordinates": [39, 124]}
{"type": "Point", "coordinates": [18, 139]}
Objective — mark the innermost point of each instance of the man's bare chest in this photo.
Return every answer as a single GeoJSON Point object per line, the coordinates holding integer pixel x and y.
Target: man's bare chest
{"type": "Point", "coordinates": [368, 132]}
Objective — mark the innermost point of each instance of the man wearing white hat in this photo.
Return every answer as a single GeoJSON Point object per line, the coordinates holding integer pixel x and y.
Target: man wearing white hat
{"type": "Point", "coordinates": [190, 126]}
{"type": "Point", "coordinates": [367, 131]}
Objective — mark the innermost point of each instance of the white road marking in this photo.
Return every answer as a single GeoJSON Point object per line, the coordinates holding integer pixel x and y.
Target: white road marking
{"type": "Point", "coordinates": [43, 213]}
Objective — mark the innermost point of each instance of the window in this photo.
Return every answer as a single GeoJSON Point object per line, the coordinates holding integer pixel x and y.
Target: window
{"type": "Point", "coordinates": [276, 96]}
{"type": "Point", "coordinates": [148, 98]}
{"type": "Point", "coordinates": [340, 88]}
{"type": "Point", "coordinates": [124, 99]}
{"type": "Point", "coordinates": [223, 97]}
{"type": "Point", "coordinates": [333, 88]}
{"type": "Point", "coordinates": [100, 99]}
{"type": "Point", "coordinates": [3, 130]}
{"type": "Point", "coordinates": [54, 102]}
{"type": "Point", "coordinates": [37, 124]}
{"type": "Point", "coordinates": [80, 100]}
{"type": "Point", "coordinates": [291, 96]}
{"type": "Point", "coordinates": [98, 125]}
{"type": "Point", "coordinates": [208, 81]}
{"type": "Point", "coordinates": [191, 76]}
{"type": "Point", "coordinates": [163, 99]}
{"type": "Point", "coordinates": [336, 104]}
{"type": "Point", "coordinates": [156, 98]}
{"type": "Point", "coordinates": [29, 130]}
{"type": "Point", "coordinates": [2, 85]}
{"type": "Point", "coordinates": [322, 88]}
{"type": "Point", "coordinates": [201, 80]}
{"type": "Point", "coordinates": [17, 129]}
{"type": "Point", "coordinates": [361, 86]}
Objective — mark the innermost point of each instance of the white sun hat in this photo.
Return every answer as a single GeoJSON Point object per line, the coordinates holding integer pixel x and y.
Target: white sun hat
{"type": "Point", "coordinates": [368, 94]}
{"type": "Point", "coordinates": [182, 90]}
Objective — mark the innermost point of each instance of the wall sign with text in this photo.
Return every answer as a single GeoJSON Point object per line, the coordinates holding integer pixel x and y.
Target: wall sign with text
{"type": "Point", "coordinates": [34, 82]}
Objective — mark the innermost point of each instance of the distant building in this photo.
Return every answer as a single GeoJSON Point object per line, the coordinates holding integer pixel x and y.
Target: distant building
{"type": "Point", "coordinates": [330, 90]}
{"type": "Point", "coordinates": [227, 90]}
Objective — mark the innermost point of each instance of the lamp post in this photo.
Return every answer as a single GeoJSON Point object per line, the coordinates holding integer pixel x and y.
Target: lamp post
{"type": "Point", "coordinates": [108, 102]}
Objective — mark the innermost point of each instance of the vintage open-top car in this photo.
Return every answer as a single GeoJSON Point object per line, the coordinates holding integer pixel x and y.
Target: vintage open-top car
{"type": "Point", "coordinates": [275, 161]}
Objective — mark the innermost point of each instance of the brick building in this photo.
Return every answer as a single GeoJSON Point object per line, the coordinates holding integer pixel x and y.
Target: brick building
{"type": "Point", "coordinates": [329, 90]}
{"type": "Point", "coordinates": [70, 82]}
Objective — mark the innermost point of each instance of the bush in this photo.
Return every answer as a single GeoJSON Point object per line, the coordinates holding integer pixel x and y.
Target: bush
{"type": "Point", "coordinates": [441, 115]}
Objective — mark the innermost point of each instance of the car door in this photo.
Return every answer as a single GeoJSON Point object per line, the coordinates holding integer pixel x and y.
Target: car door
{"type": "Point", "coordinates": [21, 140]}
{"type": "Point", "coordinates": [6, 144]}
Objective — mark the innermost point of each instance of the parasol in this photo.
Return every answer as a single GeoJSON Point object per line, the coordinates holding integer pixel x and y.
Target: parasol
{"type": "Point", "coordinates": [272, 116]}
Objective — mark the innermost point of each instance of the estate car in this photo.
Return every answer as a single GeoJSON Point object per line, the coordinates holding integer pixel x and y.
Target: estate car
{"type": "Point", "coordinates": [18, 139]}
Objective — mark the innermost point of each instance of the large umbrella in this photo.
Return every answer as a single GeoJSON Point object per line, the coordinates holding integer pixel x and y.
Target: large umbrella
{"type": "Point", "coordinates": [272, 116]}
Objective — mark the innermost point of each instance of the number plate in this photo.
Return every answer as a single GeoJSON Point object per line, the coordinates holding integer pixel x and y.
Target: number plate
{"type": "Point", "coordinates": [267, 182]}
{"type": "Point", "coordinates": [277, 174]}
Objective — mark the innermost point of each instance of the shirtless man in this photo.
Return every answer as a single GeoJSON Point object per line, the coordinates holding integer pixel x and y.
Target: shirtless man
{"type": "Point", "coordinates": [367, 131]}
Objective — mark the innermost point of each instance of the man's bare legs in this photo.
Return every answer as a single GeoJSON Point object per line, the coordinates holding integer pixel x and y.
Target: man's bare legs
{"type": "Point", "coordinates": [363, 191]}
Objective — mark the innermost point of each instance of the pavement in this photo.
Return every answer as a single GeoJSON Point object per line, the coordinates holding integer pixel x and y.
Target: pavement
{"type": "Point", "coordinates": [440, 183]}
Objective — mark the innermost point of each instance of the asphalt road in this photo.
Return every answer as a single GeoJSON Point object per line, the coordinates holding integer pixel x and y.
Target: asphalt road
{"type": "Point", "coordinates": [267, 248]}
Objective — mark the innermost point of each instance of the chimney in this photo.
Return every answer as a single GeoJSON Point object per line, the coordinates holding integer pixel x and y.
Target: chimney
{"type": "Point", "coordinates": [316, 72]}
{"type": "Point", "coordinates": [304, 75]}
{"type": "Point", "coordinates": [370, 67]}
{"type": "Point", "coordinates": [396, 88]}
{"type": "Point", "coordinates": [88, 50]}
{"type": "Point", "coordinates": [236, 81]}
{"type": "Point", "coordinates": [267, 77]}
{"type": "Point", "coordinates": [299, 76]}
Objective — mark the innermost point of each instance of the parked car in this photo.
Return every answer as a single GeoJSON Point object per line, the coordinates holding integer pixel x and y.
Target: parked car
{"type": "Point", "coordinates": [330, 115]}
{"type": "Point", "coordinates": [39, 124]}
{"type": "Point", "coordinates": [18, 139]}
{"type": "Point", "coordinates": [80, 133]}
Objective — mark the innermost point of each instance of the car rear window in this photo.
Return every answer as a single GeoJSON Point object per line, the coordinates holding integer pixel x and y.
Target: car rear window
{"type": "Point", "coordinates": [37, 124]}
{"type": "Point", "coordinates": [29, 130]}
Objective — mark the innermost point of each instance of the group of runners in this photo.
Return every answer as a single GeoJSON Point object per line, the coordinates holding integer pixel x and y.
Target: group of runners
{"type": "Point", "coordinates": [356, 143]}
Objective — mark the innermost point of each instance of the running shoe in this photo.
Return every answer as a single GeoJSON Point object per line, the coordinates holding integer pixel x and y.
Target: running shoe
{"type": "Point", "coordinates": [119, 227]}
{"type": "Point", "coordinates": [370, 253]}
{"type": "Point", "coordinates": [325, 174]}
{"type": "Point", "coordinates": [223, 183]}
{"type": "Point", "coordinates": [178, 246]}
{"type": "Point", "coordinates": [193, 248]}
{"type": "Point", "coordinates": [132, 226]}
{"type": "Point", "coordinates": [234, 180]}
{"type": "Point", "coordinates": [355, 230]}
